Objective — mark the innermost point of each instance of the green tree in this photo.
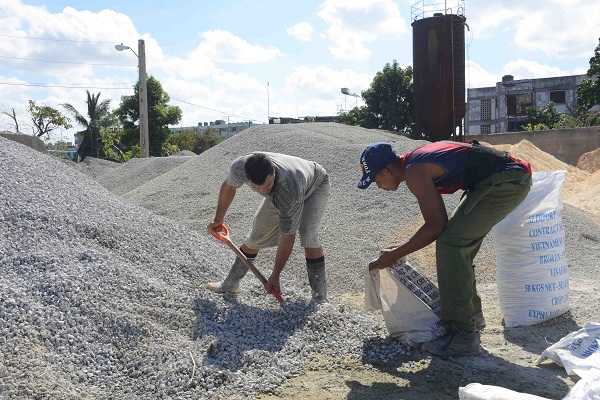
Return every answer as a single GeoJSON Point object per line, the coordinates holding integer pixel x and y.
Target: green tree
{"type": "Point", "coordinates": [97, 112]}
{"type": "Point", "coordinates": [160, 116]}
{"type": "Point", "coordinates": [111, 133]}
{"type": "Point", "coordinates": [356, 116]}
{"type": "Point", "coordinates": [588, 91]}
{"type": "Point", "coordinates": [543, 118]}
{"type": "Point", "coordinates": [389, 100]}
{"type": "Point", "coordinates": [207, 139]}
{"type": "Point", "coordinates": [46, 119]}
{"type": "Point", "coordinates": [185, 140]}
{"type": "Point", "coordinates": [589, 118]}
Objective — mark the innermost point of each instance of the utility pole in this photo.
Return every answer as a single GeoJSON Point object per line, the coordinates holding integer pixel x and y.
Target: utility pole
{"type": "Point", "coordinates": [143, 96]}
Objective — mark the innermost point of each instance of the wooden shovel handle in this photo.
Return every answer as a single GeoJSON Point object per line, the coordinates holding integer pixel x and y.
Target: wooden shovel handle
{"type": "Point", "coordinates": [221, 233]}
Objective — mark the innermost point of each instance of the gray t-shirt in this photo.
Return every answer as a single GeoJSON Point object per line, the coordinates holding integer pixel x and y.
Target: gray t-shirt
{"type": "Point", "coordinates": [295, 180]}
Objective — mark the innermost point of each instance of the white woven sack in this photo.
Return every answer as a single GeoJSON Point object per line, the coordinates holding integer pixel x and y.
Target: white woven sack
{"type": "Point", "coordinates": [578, 352]}
{"type": "Point", "coordinates": [587, 388]}
{"type": "Point", "coordinates": [532, 270]}
{"type": "Point", "coordinates": [408, 301]}
{"type": "Point", "coordinates": [477, 391]}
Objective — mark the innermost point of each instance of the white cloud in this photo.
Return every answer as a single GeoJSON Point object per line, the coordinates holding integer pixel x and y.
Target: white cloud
{"type": "Point", "coordinates": [477, 76]}
{"type": "Point", "coordinates": [561, 29]}
{"type": "Point", "coordinates": [353, 23]}
{"type": "Point", "coordinates": [524, 69]}
{"type": "Point", "coordinates": [29, 25]}
{"type": "Point", "coordinates": [224, 47]}
{"type": "Point", "coordinates": [483, 23]}
{"type": "Point", "coordinates": [302, 32]}
{"type": "Point", "coordinates": [555, 28]}
{"type": "Point", "coordinates": [324, 81]}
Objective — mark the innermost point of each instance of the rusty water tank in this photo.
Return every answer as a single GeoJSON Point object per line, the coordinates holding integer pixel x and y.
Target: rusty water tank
{"type": "Point", "coordinates": [439, 75]}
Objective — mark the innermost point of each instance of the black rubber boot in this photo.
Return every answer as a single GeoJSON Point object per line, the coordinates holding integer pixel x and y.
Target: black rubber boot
{"type": "Point", "coordinates": [454, 343]}
{"type": "Point", "coordinates": [232, 282]}
{"type": "Point", "coordinates": [317, 281]}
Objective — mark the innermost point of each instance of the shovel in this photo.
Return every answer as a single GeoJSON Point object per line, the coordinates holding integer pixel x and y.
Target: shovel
{"type": "Point", "coordinates": [221, 233]}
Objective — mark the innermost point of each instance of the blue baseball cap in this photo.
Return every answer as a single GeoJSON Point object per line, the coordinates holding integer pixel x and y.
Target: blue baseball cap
{"type": "Point", "coordinates": [374, 158]}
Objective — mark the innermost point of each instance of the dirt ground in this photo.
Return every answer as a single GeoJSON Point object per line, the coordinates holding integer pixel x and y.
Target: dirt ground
{"type": "Point", "coordinates": [508, 361]}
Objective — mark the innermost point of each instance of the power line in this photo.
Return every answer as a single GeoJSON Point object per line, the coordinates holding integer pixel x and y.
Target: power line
{"type": "Point", "coordinates": [65, 86]}
{"type": "Point", "coordinates": [217, 111]}
{"type": "Point", "coordinates": [57, 40]}
{"type": "Point", "coordinates": [67, 62]}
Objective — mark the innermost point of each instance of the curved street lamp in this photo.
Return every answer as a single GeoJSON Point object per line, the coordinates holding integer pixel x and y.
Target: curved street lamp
{"type": "Point", "coordinates": [143, 96]}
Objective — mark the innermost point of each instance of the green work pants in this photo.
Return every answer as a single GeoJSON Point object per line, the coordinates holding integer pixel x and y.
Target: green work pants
{"type": "Point", "coordinates": [478, 211]}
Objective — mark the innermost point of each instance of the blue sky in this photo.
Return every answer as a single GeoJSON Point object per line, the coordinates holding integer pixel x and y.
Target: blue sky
{"type": "Point", "coordinates": [245, 60]}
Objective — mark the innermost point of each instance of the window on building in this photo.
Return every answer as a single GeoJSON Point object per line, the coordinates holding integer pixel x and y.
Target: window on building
{"type": "Point", "coordinates": [557, 96]}
{"type": "Point", "coordinates": [515, 126]}
{"type": "Point", "coordinates": [485, 129]}
{"type": "Point", "coordinates": [516, 104]}
{"type": "Point", "coordinates": [486, 110]}
{"type": "Point", "coordinates": [511, 104]}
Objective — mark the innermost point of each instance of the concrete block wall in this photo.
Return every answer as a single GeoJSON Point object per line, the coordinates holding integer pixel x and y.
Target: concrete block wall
{"type": "Point", "coordinates": [566, 145]}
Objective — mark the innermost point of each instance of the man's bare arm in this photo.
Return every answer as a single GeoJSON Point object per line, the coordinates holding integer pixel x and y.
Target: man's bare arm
{"type": "Point", "coordinates": [284, 249]}
{"type": "Point", "coordinates": [419, 180]}
{"type": "Point", "coordinates": [226, 196]}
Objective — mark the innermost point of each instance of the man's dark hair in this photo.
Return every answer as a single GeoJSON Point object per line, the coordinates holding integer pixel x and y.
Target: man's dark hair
{"type": "Point", "coordinates": [258, 167]}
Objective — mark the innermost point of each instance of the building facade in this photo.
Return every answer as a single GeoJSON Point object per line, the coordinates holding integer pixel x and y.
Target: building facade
{"type": "Point", "coordinates": [225, 129]}
{"type": "Point", "coordinates": [503, 108]}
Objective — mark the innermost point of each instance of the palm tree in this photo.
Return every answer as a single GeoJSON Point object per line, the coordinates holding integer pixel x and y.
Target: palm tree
{"type": "Point", "coordinates": [91, 145]}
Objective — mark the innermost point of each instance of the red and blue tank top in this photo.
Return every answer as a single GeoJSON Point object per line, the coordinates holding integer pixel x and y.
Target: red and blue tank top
{"type": "Point", "coordinates": [452, 157]}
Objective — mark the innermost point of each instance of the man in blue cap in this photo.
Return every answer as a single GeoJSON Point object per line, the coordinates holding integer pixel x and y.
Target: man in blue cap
{"type": "Point", "coordinates": [494, 183]}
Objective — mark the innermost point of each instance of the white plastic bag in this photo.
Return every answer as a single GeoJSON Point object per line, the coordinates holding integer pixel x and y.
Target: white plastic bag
{"type": "Point", "coordinates": [408, 301]}
{"type": "Point", "coordinates": [578, 352]}
{"type": "Point", "coordinates": [586, 389]}
{"type": "Point", "coordinates": [477, 391]}
{"type": "Point", "coordinates": [532, 270]}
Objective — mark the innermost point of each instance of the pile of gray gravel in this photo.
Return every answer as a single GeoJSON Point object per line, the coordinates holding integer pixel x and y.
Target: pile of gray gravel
{"type": "Point", "coordinates": [102, 293]}
{"type": "Point", "coordinates": [104, 299]}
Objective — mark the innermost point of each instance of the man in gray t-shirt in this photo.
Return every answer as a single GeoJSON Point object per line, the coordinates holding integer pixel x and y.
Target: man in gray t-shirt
{"type": "Point", "coordinates": [295, 193]}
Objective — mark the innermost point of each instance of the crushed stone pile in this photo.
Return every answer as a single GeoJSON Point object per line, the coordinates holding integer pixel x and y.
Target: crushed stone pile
{"type": "Point", "coordinates": [93, 167]}
{"type": "Point", "coordinates": [138, 172]}
{"type": "Point", "coordinates": [366, 219]}
{"type": "Point", "coordinates": [103, 292]}
{"type": "Point", "coordinates": [104, 299]}
{"type": "Point", "coordinates": [188, 194]}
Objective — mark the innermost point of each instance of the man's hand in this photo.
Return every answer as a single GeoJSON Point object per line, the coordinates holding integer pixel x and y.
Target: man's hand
{"type": "Point", "coordinates": [272, 283]}
{"type": "Point", "coordinates": [214, 223]}
{"type": "Point", "coordinates": [386, 258]}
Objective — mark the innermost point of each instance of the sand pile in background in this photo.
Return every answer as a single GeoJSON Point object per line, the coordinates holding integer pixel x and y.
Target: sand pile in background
{"type": "Point", "coordinates": [589, 161]}
{"type": "Point", "coordinates": [580, 188]}
{"type": "Point", "coordinates": [589, 197]}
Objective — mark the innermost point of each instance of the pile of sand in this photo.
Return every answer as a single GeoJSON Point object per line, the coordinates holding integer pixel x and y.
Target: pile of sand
{"type": "Point", "coordinates": [589, 161]}
{"type": "Point", "coordinates": [580, 188]}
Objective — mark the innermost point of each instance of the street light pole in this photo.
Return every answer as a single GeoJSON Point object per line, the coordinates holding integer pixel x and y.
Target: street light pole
{"type": "Point", "coordinates": [142, 95]}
